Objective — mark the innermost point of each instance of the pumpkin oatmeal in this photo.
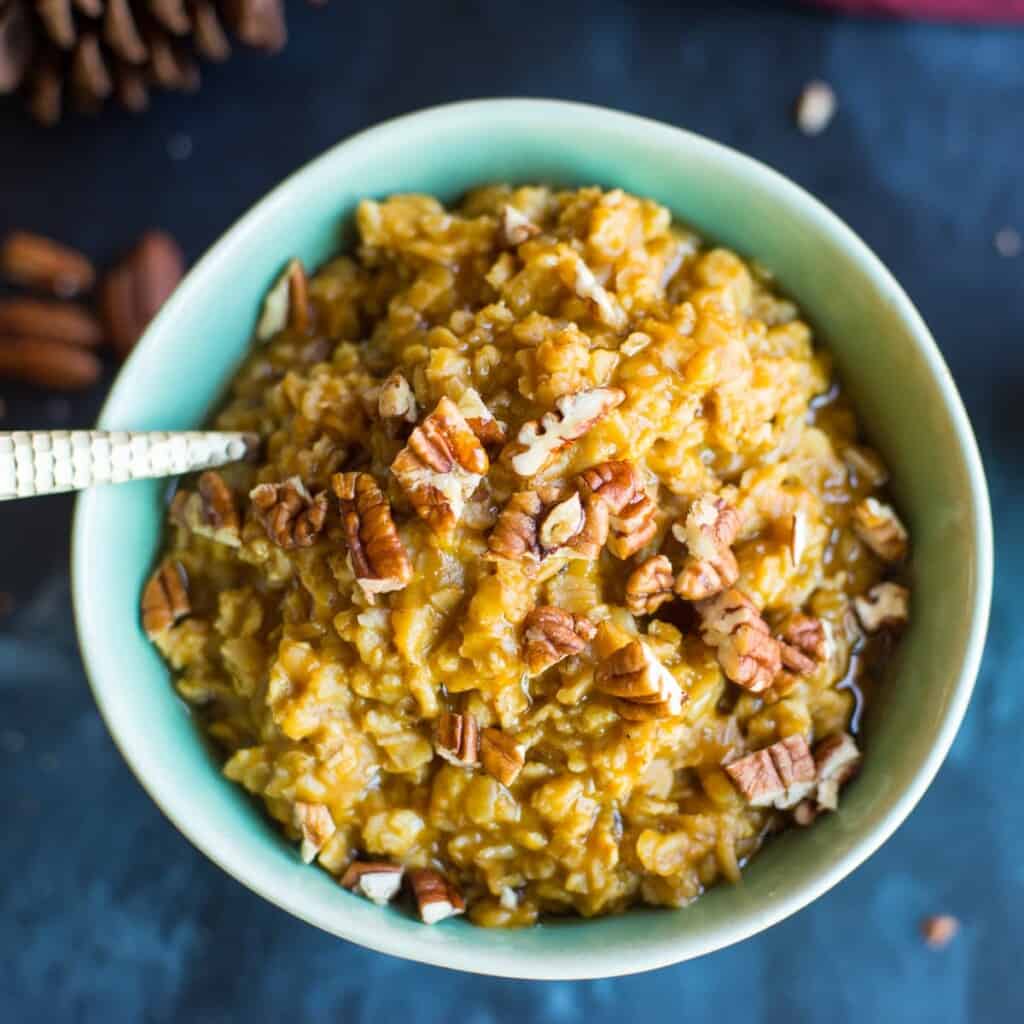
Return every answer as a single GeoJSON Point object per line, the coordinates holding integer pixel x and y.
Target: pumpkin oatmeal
{"type": "Point", "coordinates": [560, 574]}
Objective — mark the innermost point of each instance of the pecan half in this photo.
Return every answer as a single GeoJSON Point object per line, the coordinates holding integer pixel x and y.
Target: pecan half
{"type": "Point", "coordinates": [501, 756]}
{"type": "Point", "coordinates": [378, 556]}
{"type": "Point", "coordinates": [539, 441]}
{"type": "Point", "coordinates": [286, 304]}
{"type": "Point", "coordinates": [748, 653]}
{"type": "Point", "coordinates": [436, 897]}
{"type": "Point", "coordinates": [458, 739]}
{"type": "Point", "coordinates": [803, 643]}
{"type": "Point", "coordinates": [578, 277]}
{"type": "Point", "coordinates": [777, 776]}
{"type": "Point", "coordinates": [708, 532]}
{"type": "Point", "coordinates": [48, 363]}
{"type": "Point", "coordinates": [441, 466]}
{"type": "Point", "coordinates": [551, 634]}
{"type": "Point", "coordinates": [315, 823]}
{"type": "Point", "coordinates": [60, 321]}
{"type": "Point", "coordinates": [634, 674]}
{"type": "Point", "coordinates": [514, 228]}
{"type": "Point", "coordinates": [649, 586]}
{"type": "Point", "coordinates": [880, 528]}
{"type": "Point", "coordinates": [165, 598]}
{"type": "Point", "coordinates": [489, 431]}
{"type": "Point", "coordinates": [39, 262]}
{"type": "Point", "coordinates": [618, 485]}
{"type": "Point", "coordinates": [289, 514]}
{"type": "Point", "coordinates": [396, 400]}
{"type": "Point", "coordinates": [884, 606]}
{"type": "Point", "coordinates": [210, 511]}
{"type": "Point", "coordinates": [377, 880]}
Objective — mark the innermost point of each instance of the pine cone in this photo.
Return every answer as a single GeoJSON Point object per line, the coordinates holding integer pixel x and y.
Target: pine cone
{"type": "Point", "coordinates": [86, 51]}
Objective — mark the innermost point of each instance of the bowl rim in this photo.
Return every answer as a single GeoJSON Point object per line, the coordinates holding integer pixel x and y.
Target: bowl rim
{"type": "Point", "coordinates": [612, 961]}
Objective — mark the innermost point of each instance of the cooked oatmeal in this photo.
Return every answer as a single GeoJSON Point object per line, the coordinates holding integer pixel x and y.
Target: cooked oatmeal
{"type": "Point", "coordinates": [561, 570]}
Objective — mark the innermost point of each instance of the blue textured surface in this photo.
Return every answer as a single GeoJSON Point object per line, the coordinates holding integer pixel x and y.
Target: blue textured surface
{"type": "Point", "coordinates": [107, 914]}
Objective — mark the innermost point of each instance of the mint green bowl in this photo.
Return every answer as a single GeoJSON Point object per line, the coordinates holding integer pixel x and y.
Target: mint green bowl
{"type": "Point", "coordinates": [887, 359]}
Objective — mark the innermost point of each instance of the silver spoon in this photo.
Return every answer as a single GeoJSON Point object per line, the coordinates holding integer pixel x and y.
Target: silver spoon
{"type": "Point", "coordinates": [49, 461]}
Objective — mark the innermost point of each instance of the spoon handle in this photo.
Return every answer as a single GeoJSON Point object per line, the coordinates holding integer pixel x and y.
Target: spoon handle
{"type": "Point", "coordinates": [48, 461]}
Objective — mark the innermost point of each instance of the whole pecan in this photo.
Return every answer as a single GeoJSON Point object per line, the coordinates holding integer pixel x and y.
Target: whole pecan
{"type": "Point", "coordinates": [777, 776]}
{"type": "Point", "coordinates": [48, 363]}
{"type": "Point", "coordinates": [634, 674]}
{"type": "Point", "coordinates": [59, 321]}
{"type": "Point", "coordinates": [458, 738]}
{"type": "Point", "coordinates": [649, 586]}
{"type": "Point", "coordinates": [709, 530]}
{"type": "Point", "coordinates": [210, 511]}
{"type": "Point", "coordinates": [501, 756]}
{"type": "Point", "coordinates": [165, 598]}
{"type": "Point", "coordinates": [551, 634]}
{"type": "Point", "coordinates": [748, 653]}
{"type": "Point", "coordinates": [39, 262]}
{"type": "Point", "coordinates": [379, 559]}
{"type": "Point", "coordinates": [631, 512]}
{"type": "Point", "coordinates": [290, 515]}
{"type": "Point", "coordinates": [286, 304]}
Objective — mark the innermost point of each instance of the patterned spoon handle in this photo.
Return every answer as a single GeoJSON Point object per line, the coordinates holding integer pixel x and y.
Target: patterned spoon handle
{"type": "Point", "coordinates": [47, 461]}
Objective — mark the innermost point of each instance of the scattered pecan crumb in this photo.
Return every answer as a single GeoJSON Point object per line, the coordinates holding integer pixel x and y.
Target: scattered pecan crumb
{"type": "Point", "coordinates": [618, 486]}
{"type": "Point", "coordinates": [815, 108]}
{"type": "Point", "coordinates": [378, 880]}
{"type": "Point", "coordinates": [551, 634]}
{"type": "Point", "coordinates": [441, 466]}
{"type": "Point", "coordinates": [748, 653]}
{"type": "Point", "coordinates": [165, 598]}
{"type": "Point", "coordinates": [436, 897]}
{"type": "Point", "coordinates": [939, 930]}
{"type": "Point", "coordinates": [458, 739]}
{"type": "Point", "coordinates": [286, 304]}
{"type": "Point", "coordinates": [777, 776]}
{"type": "Point", "coordinates": [210, 511]}
{"type": "Point", "coordinates": [38, 262]}
{"type": "Point", "coordinates": [708, 532]}
{"type": "Point", "coordinates": [649, 586]}
{"type": "Point", "coordinates": [634, 674]}
{"type": "Point", "coordinates": [885, 606]}
{"type": "Point", "coordinates": [315, 823]}
{"type": "Point", "coordinates": [396, 400]}
{"type": "Point", "coordinates": [539, 441]}
{"type": "Point", "coordinates": [880, 528]}
{"type": "Point", "coordinates": [378, 557]}
{"type": "Point", "coordinates": [501, 756]}
{"type": "Point", "coordinates": [515, 227]}
{"type": "Point", "coordinates": [290, 515]}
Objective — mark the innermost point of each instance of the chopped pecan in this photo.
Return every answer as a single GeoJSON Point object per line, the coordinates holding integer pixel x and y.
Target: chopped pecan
{"type": "Point", "coordinates": [649, 586]}
{"type": "Point", "coordinates": [837, 760]}
{"type": "Point", "coordinates": [619, 486]}
{"type": "Point", "coordinates": [501, 756]}
{"type": "Point", "coordinates": [515, 228]}
{"type": "Point", "coordinates": [489, 431]}
{"type": "Point", "coordinates": [441, 466]}
{"type": "Point", "coordinates": [378, 557]}
{"type": "Point", "coordinates": [286, 303]}
{"type": "Point", "coordinates": [315, 823]}
{"type": "Point", "coordinates": [560, 524]}
{"type": "Point", "coordinates": [576, 275]}
{"type": "Point", "coordinates": [436, 897]}
{"type": "Point", "coordinates": [880, 528]}
{"type": "Point", "coordinates": [209, 512]}
{"type": "Point", "coordinates": [165, 598]}
{"type": "Point", "coordinates": [803, 643]}
{"type": "Point", "coordinates": [748, 653]}
{"type": "Point", "coordinates": [289, 514]}
{"type": "Point", "coordinates": [396, 400]}
{"type": "Point", "coordinates": [634, 674]}
{"type": "Point", "coordinates": [531, 528]}
{"type": "Point", "coordinates": [708, 532]}
{"type": "Point", "coordinates": [551, 634]}
{"type": "Point", "coordinates": [458, 739]}
{"type": "Point", "coordinates": [778, 776]}
{"type": "Point", "coordinates": [884, 606]}
{"type": "Point", "coordinates": [377, 880]}
{"type": "Point", "coordinates": [539, 441]}
{"type": "Point", "coordinates": [939, 930]}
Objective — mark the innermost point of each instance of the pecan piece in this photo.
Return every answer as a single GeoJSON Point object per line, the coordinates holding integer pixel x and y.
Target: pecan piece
{"type": "Point", "coordinates": [531, 529]}
{"type": "Point", "coordinates": [803, 644]}
{"type": "Point", "coordinates": [880, 528]}
{"type": "Point", "coordinates": [649, 586]}
{"type": "Point", "coordinates": [634, 674]}
{"type": "Point", "coordinates": [708, 532]}
{"type": "Point", "coordinates": [378, 557]}
{"type": "Point", "coordinates": [539, 441]}
{"type": "Point", "coordinates": [748, 653]}
{"type": "Point", "coordinates": [378, 880]}
{"type": "Point", "coordinates": [315, 823]}
{"type": "Point", "coordinates": [777, 776]}
{"type": "Point", "coordinates": [441, 466]}
{"type": "Point", "coordinates": [436, 897]}
{"type": "Point", "coordinates": [618, 486]}
{"type": "Point", "coordinates": [939, 930]}
{"type": "Point", "coordinates": [886, 606]}
{"type": "Point", "coordinates": [39, 262]}
{"type": "Point", "coordinates": [289, 514]}
{"type": "Point", "coordinates": [514, 228]}
{"type": "Point", "coordinates": [551, 634]}
{"type": "Point", "coordinates": [286, 304]}
{"type": "Point", "coordinates": [165, 598]}
{"type": "Point", "coordinates": [501, 756]}
{"type": "Point", "coordinates": [458, 739]}
{"type": "Point", "coordinates": [210, 511]}
{"type": "Point", "coordinates": [577, 276]}
{"type": "Point", "coordinates": [396, 400]}
{"type": "Point", "coordinates": [837, 760]}
{"type": "Point", "coordinates": [489, 431]}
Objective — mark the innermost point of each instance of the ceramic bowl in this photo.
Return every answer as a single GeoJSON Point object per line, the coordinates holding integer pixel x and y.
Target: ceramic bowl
{"type": "Point", "coordinates": [888, 362]}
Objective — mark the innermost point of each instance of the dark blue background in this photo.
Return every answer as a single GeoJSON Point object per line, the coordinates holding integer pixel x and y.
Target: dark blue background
{"type": "Point", "coordinates": [108, 914]}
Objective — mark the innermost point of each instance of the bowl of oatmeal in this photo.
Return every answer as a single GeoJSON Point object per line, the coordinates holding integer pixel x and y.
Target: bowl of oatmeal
{"type": "Point", "coordinates": [613, 572]}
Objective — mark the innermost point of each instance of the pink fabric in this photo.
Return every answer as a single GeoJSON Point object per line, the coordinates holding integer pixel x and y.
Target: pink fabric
{"type": "Point", "coordinates": [956, 10]}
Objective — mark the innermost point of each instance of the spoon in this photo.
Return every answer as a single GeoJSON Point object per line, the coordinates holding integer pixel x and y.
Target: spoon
{"type": "Point", "coordinates": [50, 461]}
